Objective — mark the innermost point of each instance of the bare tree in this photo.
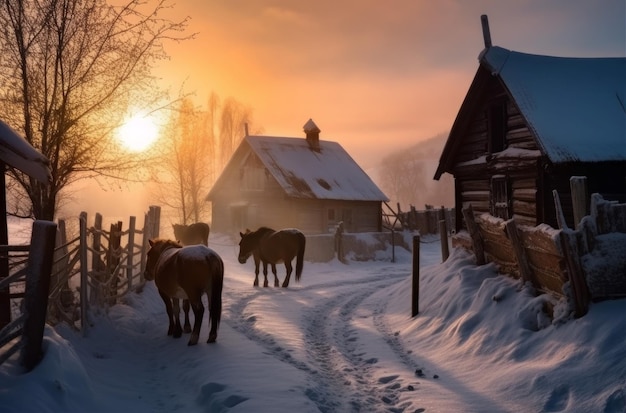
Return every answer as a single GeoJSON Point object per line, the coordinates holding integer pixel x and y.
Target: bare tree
{"type": "Point", "coordinates": [69, 70]}
{"type": "Point", "coordinates": [234, 117]}
{"type": "Point", "coordinates": [406, 176]}
{"type": "Point", "coordinates": [198, 143]}
{"type": "Point", "coordinates": [185, 169]}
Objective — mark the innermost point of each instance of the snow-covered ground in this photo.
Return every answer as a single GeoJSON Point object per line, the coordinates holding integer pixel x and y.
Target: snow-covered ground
{"type": "Point", "coordinates": [343, 340]}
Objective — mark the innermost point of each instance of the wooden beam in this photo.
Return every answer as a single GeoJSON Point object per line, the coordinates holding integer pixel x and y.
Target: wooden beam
{"type": "Point", "coordinates": [477, 241]}
{"type": "Point", "coordinates": [520, 253]}
{"type": "Point", "coordinates": [580, 198]}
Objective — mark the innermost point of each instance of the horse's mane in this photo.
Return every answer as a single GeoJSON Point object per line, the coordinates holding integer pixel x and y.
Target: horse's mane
{"type": "Point", "coordinates": [167, 242]}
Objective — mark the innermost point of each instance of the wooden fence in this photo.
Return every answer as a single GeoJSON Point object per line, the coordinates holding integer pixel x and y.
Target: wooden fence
{"type": "Point", "coordinates": [553, 260]}
{"type": "Point", "coordinates": [425, 221]}
{"type": "Point", "coordinates": [87, 272]}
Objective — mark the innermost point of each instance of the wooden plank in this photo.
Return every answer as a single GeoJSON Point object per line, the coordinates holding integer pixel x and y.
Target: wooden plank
{"type": "Point", "coordinates": [580, 292]}
{"type": "Point", "coordinates": [520, 252]}
{"type": "Point", "coordinates": [477, 242]}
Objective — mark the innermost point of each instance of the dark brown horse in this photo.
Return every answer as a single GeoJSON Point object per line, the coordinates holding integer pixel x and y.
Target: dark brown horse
{"type": "Point", "coordinates": [273, 247]}
{"type": "Point", "coordinates": [187, 273]}
{"type": "Point", "coordinates": [197, 233]}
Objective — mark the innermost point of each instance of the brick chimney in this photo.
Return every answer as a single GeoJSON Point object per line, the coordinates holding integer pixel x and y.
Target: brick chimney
{"type": "Point", "coordinates": [312, 135]}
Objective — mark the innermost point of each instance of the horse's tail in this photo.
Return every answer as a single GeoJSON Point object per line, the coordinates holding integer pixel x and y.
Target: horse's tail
{"type": "Point", "coordinates": [300, 258]}
{"type": "Point", "coordinates": [216, 268]}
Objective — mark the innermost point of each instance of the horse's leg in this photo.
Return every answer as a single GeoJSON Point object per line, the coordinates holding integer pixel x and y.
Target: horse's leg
{"type": "Point", "coordinates": [288, 268]}
{"type": "Point", "coordinates": [265, 283]}
{"type": "Point", "coordinates": [168, 309]}
{"type": "Point", "coordinates": [178, 330]}
{"type": "Point", "coordinates": [276, 282]}
{"type": "Point", "coordinates": [198, 313]}
{"type": "Point", "coordinates": [256, 275]}
{"type": "Point", "coordinates": [187, 325]}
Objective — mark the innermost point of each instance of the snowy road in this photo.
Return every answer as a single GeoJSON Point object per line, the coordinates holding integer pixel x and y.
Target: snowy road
{"type": "Point", "coordinates": [324, 345]}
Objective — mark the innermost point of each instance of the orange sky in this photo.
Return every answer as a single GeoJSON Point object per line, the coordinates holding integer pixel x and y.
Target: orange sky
{"type": "Point", "coordinates": [369, 73]}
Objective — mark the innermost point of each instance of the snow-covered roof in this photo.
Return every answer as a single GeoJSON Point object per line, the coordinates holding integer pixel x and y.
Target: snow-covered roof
{"type": "Point", "coordinates": [327, 173]}
{"type": "Point", "coordinates": [575, 106]}
{"type": "Point", "coordinates": [18, 153]}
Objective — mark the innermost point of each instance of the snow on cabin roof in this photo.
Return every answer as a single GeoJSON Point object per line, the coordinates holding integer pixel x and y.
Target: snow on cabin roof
{"type": "Point", "coordinates": [18, 153]}
{"type": "Point", "coordinates": [302, 172]}
{"type": "Point", "coordinates": [575, 106]}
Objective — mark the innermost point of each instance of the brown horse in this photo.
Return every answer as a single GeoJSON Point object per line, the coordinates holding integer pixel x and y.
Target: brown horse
{"type": "Point", "coordinates": [273, 247]}
{"type": "Point", "coordinates": [197, 233]}
{"type": "Point", "coordinates": [187, 273]}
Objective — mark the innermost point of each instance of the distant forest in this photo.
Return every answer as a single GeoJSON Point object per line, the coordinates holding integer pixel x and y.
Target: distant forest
{"type": "Point", "coordinates": [406, 176]}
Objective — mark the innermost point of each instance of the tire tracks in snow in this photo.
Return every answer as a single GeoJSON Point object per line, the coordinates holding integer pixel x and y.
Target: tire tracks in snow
{"type": "Point", "coordinates": [343, 375]}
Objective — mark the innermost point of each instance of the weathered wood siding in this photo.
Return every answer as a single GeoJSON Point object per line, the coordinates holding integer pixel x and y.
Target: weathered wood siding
{"type": "Point", "coordinates": [475, 166]}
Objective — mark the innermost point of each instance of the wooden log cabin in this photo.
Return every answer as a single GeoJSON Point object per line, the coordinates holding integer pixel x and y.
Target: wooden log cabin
{"type": "Point", "coordinates": [527, 125]}
{"type": "Point", "coordinates": [306, 183]}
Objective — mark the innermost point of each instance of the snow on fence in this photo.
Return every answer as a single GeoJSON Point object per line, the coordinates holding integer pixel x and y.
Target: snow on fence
{"type": "Point", "coordinates": [585, 264]}
{"type": "Point", "coordinates": [82, 276]}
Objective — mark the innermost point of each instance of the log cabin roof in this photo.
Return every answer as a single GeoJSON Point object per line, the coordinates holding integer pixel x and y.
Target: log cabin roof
{"type": "Point", "coordinates": [305, 172]}
{"type": "Point", "coordinates": [15, 151]}
{"type": "Point", "coordinates": [575, 107]}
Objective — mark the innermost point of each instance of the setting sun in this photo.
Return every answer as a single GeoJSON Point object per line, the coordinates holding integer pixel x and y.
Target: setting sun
{"type": "Point", "coordinates": [138, 133]}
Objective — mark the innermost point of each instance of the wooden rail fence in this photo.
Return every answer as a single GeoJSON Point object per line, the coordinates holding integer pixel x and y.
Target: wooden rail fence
{"type": "Point", "coordinates": [76, 276]}
{"type": "Point", "coordinates": [553, 260]}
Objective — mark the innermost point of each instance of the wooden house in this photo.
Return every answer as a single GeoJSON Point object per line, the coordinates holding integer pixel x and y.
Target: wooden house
{"type": "Point", "coordinates": [306, 183]}
{"type": "Point", "coordinates": [527, 125]}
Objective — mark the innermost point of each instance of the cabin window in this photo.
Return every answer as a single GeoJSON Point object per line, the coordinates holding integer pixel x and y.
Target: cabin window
{"type": "Point", "coordinates": [500, 202]}
{"type": "Point", "coordinates": [331, 214]}
{"type": "Point", "coordinates": [497, 119]}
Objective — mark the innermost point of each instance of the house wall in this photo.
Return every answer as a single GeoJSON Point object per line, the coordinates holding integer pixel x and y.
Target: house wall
{"type": "Point", "coordinates": [474, 167]}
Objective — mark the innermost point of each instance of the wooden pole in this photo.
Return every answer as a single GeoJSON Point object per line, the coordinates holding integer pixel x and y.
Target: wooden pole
{"type": "Point", "coordinates": [443, 236]}
{"type": "Point", "coordinates": [84, 273]}
{"type": "Point", "coordinates": [477, 241]}
{"type": "Point", "coordinates": [580, 198]}
{"type": "Point", "coordinates": [40, 260]}
{"type": "Point", "coordinates": [580, 292]}
{"type": "Point", "coordinates": [560, 218]}
{"type": "Point", "coordinates": [131, 252]}
{"type": "Point", "coordinates": [416, 277]}
{"type": "Point", "coordinates": [520, 253]}
{"type": "Point", "coordinates": [113, 260]}
{"type": "Point", "coordinates": [5, 297]}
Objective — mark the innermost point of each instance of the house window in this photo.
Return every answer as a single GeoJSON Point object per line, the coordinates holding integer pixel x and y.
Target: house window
{"type": "Point", "coordinates": [331, 215]}
{"type": "Point", "coordinates": [500, 200]}
{"type": "Point", "coordinates": [497, 121]}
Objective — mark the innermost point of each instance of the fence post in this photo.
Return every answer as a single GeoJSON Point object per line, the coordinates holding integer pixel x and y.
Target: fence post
{"type": "Point", "coordinates": [472, 228]}
{"type": "Point", "coordinates": [97, 263]}
{"type": "Point", "coordinates": [113, 260]}
{"type": "Point", "coordinates": [580, 292]}
{"type": "Point", "coordinates": [84, 272]}
{"type": "Point", "coordinates": [339, 241]}
{"type": "Point", "coordinates": [40, 260]}
{"type": "Point", "coordinates": [580, 197]}
{"type": "Point", "coordinates": [131, 252]}
{"type": "Point", "coordinates": [443, 236]}
{"type": "Point", "coordinates": [416, 276]}
{"type": "Point", "coordinates": [560, 217]}
{"type": "Point", "coordinates": [520, 253]}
